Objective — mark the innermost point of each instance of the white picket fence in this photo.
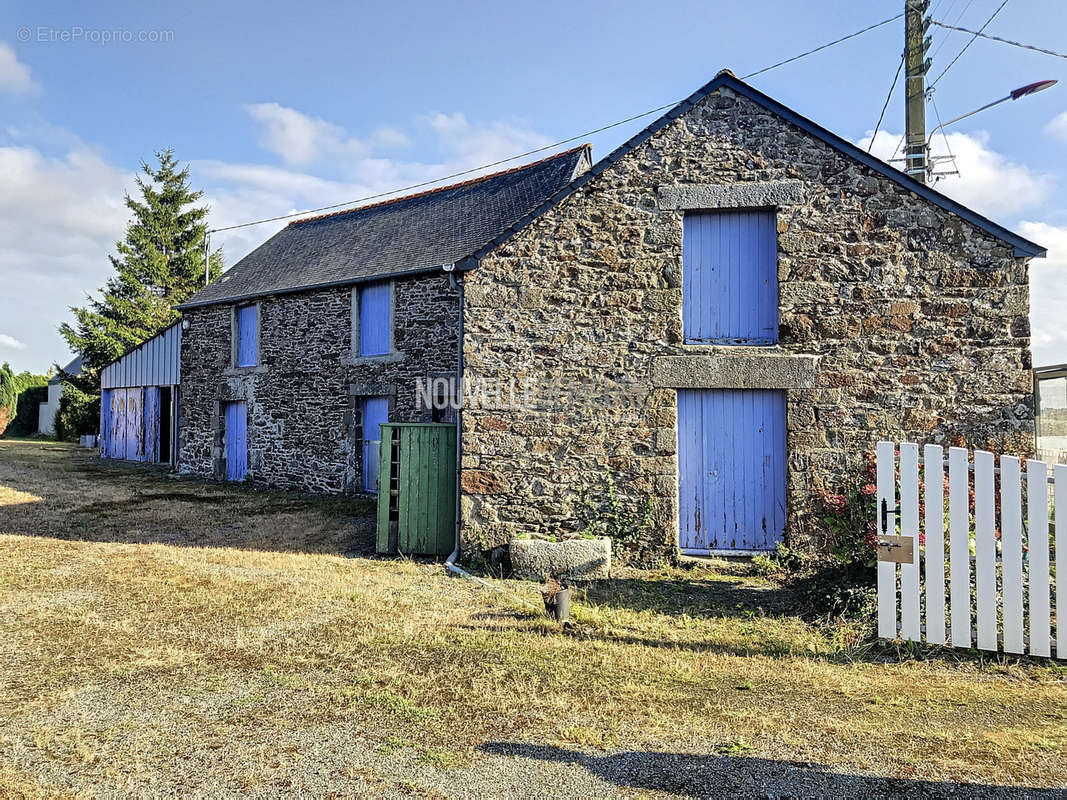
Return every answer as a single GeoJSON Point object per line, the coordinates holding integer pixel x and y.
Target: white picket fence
{"type": "Point", "coordinates": [1010, 597]}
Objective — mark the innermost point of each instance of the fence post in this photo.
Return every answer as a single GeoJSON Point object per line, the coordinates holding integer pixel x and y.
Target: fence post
{"type": "Point", "coordinates": [909, 526]}
{"type": "Point", "coordinates": [959, 556]}
{"type": "Point", "coordinates": [1060, 472]}
{"type": "Point", "coordinates": [1011, 549]}
{"type": "Point", "coordinates": [1037, 544]}
{"type": "Point", "coordinates": [934, 475]}
{"type": "Point", "coordinates": [985, 550]}
{"type": "Point", "coordinates": [887, 570]}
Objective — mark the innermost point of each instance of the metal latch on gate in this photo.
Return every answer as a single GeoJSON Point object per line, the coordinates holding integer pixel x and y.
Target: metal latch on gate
{"type": "Point", "coordinates": [892, 548]}
{"type": "Point", "coordinates": [896, 549]}
{"type": "Point", "coordinates": [886, 510]}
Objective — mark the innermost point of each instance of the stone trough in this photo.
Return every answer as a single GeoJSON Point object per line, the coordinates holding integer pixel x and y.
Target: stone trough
{"type": "Point", "coordinates": [570, 560]}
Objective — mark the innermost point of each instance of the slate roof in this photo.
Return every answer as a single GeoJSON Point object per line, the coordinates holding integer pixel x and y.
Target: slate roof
{"type": "Point", "coordinates": [1022, 247]}
{"type": "Point", "coordinates": [405, 235]}
{"type": "Point", "coordinates": [73, 368]}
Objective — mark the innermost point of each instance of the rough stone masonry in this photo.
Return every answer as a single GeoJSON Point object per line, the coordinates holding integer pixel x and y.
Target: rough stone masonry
{"type": "Point", "coordinates": [304, 397]}
{"type": "Point", "coordinates": [897, 319]}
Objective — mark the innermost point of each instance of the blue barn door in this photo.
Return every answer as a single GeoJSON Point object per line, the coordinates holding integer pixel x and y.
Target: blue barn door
{"type": "Point", "coordinates": [151, 424]}
{"type": "Point", "coordinates": [117, 421]}
{"type": "Point", "coordinates": [731, 464]}
{"type": "Point", "coordinates": [134, 420]}
{"type": "Point", "coordinates": [105, 423]}
{"type": "Point", "coordinates": [375, 414]}
{"type": "Point", "coordinates": [236, 441]}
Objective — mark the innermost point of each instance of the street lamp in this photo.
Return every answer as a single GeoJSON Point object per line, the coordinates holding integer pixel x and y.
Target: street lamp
{"type": "Point", "coordinates": [1022, 91]}
{"type": "Point", "coordinates": [1015, 94]}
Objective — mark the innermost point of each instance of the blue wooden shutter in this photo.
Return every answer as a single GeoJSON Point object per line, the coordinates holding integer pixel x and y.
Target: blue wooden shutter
{"type": "Point", "coordinates": [730, 278]}
{"type": "Point", "coordinates": [247, 336]}
{"type": "Point", "coordinates": [375, 413]}
{"type": "Point", "coordinates": [375, 319]}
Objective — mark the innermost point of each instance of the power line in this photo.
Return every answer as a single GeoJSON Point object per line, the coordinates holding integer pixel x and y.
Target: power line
{"type": "Point", "coordinates": [885, 105]}
{"type": "Point", "coordinates": [452, 175]}
{"type": "Point", "coordinates": [999, 39]}
{"type": "Point", "coordinates": [822, 47]}
{"type": "Point", "coordinates": [552, 146]}
{"type": "Point", "coordinates": [969, 43]}
{"type": "Point", "coordinates": [946, 36]}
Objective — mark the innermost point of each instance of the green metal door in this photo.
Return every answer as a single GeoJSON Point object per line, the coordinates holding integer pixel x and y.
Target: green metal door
{"type": "Point", "coordinates": [417, 496]}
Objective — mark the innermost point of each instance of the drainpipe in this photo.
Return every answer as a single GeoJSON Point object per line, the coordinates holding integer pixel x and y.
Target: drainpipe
{"type": "Point", "coordinates": [457, 284]}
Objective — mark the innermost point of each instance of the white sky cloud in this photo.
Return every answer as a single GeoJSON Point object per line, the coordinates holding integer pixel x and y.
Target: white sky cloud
{"type": "Point", "coordinates": [1057, 126]}
{"type": "Point", "coordinates": [1048, 293]}
{"type": "Point", "coordinates": [59, 219]}
{"type": "Point", "coordinates": [14, 75]}
{"type": "Point", "coordinates": [11, 342]}
{"type": "Point", "coordinates": [988, 182]}
{"type": "Point", "coordinates": [301, 139]}
{"type": "Point", "coordinates": [472, 143]}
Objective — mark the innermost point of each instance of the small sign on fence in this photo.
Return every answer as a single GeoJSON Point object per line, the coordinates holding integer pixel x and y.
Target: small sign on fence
{"type": "Point", "coordinates": [985, 578]}
{"type": "Point", "coordinates": [897, 549]}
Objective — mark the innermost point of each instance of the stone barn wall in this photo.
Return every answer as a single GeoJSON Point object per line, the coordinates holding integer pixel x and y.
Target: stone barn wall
{"type": "Point", "coordinates": [918, 321]}
{"type": "Point", "coordinates": [304, 396]}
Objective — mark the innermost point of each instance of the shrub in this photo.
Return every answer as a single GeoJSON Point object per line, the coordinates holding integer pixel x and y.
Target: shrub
{"type": "Point", "coordinates": [78, 414]}
{"type": "Point", "coordinates": [839, 581]}
{"type": "Point", "coordinates": [18, 411]}
{"type": "Point", "coordinates": [27, 411]}
{"type": "Point", "coordinates": [9, 395]}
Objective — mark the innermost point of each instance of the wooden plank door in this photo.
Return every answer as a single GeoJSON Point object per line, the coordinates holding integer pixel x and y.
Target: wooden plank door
{"type": "Point", "coordinates": [134, 426]}
{"type": "Point", "coordinates": [117, 421]}
{"type": "Point", "coordinates": [236, 441]}
{"type": "Point", "coordinates": [731, 462]}
{"type": "Point", "coordinates": [105, 423]}
{"type": "Point", "coordinates": [375, 414]}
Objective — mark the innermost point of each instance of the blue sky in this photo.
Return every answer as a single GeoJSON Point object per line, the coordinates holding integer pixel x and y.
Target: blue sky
{"type": "Point", "coordinates": [282, 106]}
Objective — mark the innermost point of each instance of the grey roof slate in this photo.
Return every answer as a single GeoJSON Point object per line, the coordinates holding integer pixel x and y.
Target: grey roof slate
{"type": "Point", "coordinates": [406, 235]}
{"type": "Point", "coordinates": [73, 368]}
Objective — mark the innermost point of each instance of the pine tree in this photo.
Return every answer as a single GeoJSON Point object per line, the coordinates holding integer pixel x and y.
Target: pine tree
{"type": "Point", "coordinates": [159, 264]}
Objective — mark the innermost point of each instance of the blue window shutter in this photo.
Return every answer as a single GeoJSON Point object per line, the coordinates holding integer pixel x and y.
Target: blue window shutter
{"type": "Point", "coordinates": [375, 413]}
{"type": "Point", "coordinates": [375, 319]}
{"type": "Point", "coordinates": [247, 336]}
{"type": "Point", "coordinates": [730, 278]}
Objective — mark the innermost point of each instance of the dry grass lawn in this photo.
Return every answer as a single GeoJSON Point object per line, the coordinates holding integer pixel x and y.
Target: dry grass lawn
{"type": "Point", "coordinates": [162, 636]}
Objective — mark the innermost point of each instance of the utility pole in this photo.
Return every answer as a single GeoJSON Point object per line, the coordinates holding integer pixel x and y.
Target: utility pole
{"type": "Point", "coordinates": [916, 43]}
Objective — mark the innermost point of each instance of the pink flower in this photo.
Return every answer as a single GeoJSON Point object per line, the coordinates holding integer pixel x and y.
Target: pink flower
{"type": "Point", "coordinates": [869, 489]}
{"type": "Point", "coordinates": [837, 502]}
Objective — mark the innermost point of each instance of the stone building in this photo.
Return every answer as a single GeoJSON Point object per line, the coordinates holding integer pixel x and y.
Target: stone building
{"type": "Point", "coordinates": [292, 359]}
{"type": "Point", "coordinates": [680, 346]}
